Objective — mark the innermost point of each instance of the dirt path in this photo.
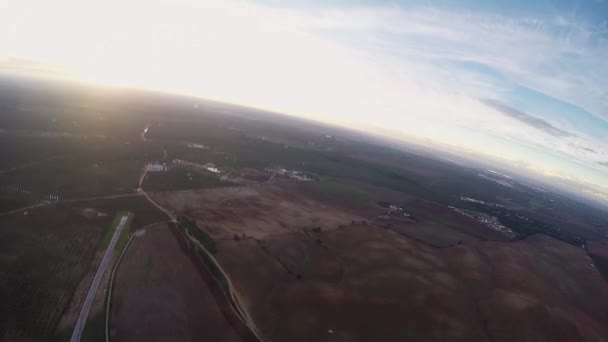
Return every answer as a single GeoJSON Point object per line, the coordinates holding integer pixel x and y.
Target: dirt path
{"type": "Point", "coordinates": [14, 211]}
{"type": "Point", "coordinates": [145, 194]}
{"type": "Point", "coordinates": [141, 190]}
{"type": "Point", "coordinates": [103, 266]}
{"type": "Point", "coordinates": [271, 177]}
{"type": "Point", "coordinates": [84, 199]}
{"type": "Point", "coordinates": [240, 311]}
{"type": "Point", "coordinates": [164, 152]}
{"type": "Point", "coordinates": [73, 200]}
{"type": "Point", "coordinates": [227, 308]}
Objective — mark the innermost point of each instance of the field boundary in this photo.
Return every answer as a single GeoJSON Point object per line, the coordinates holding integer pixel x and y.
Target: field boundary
{"type": "Point", "coordinates": [111, 285]}
{"type": "Point", "coordinates": [209, 261]}
{"type": "Point", "coordinates": [69, 200]}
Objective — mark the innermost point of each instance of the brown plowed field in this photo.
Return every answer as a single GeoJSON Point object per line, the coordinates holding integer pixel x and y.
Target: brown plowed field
{"type": "Point", "coordinates": [162, 293]}
{"type": "Point", "coordinates": [442, 278]}
{"type": "Point", "coordinates": [366, 283]}
{"type": "Point", "coordinates": [255, 211]}
{"type": "Point", "coordinates": [597, 248]}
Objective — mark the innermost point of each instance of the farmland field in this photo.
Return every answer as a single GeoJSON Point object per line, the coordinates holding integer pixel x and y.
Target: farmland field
{"type": "Point", "coordinates": [255, 210]}
{"type": "Point", "coordinates": [299, 290]}
{"type": "Point", "coordinates": [162, 294]}
{"type": "Point", "coordinates": [44, 255]}
{"type": "Point", "coordinates": [317, 280]}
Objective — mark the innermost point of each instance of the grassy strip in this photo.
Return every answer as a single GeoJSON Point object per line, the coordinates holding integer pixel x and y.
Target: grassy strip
{"type": "Point", "coordinates": [95, 330]}
{"type": "Point", "coordinates": [107, 235]}
{"type": "Point", "coordinates": [190, 227]}
{"type": "Point", "coordinates": [124, 235]}
{"type": "Point", "coordinates": [215, 271]}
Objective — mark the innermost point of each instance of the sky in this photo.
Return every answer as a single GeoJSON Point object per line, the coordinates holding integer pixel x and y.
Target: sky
{"type": "Point", "coordinates": [524, 82]}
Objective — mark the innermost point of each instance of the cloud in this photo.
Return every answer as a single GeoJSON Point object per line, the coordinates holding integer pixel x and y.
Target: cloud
{"type": "Point", "coordinates": [461, 55]}
{"type": "Point", "coordinates": [603, 163]}
{"type": "Point", "coordinates": [583, 148]}
{"type": "Point", "coordinates": [526, 118]}
{"type": "Point", "coordinates": [556, 55]}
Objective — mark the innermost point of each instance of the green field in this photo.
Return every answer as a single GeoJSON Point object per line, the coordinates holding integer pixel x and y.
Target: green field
{"type": "Point", "coordinates": [43, 257]}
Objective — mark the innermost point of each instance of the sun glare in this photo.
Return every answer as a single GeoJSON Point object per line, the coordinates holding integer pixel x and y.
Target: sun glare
{"type": "Point", "coordinates": [237, 53]}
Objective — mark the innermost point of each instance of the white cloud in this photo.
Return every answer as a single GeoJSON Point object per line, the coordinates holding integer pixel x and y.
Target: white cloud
{"type": "Point", "coordinates": [564, 59]}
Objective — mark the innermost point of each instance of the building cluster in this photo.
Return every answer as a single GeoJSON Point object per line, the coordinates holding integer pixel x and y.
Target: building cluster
{"type": "Point", "coordinates": [397, 213]}
{"type": "Point", "coordinates": [489, 221]}
{"type": "Point", "coordinates": [292, 174]}
{"type": "Point", "coordinates": [157, 167]}
{"type": "Point", "coordinates": [196, 146]}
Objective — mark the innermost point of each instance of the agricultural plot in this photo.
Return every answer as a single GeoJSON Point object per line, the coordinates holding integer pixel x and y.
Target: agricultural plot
{"type": "Point", "coordinates": [73, 168]}
{"type": "Point", "coordinates": [20, 151]}
{"type": "Point", "coordinates": [354, 280]}
{"type": "Point", "coordinates": [598, 251]}
{"type": "Point", "coordinates": [76, 179]}
{"type": "Point", "coordinates": [432, 233]}
{"type": "Point", "coordinates": [162, 293]}
{"type": "Point", "coordinates": [255, 210]}
{"type": "Point", "coordinates": [45, 253]}
{"type": "Point", "coordinates": [362, 283]}
{"type": "Point", "coordinates": [431, 211]}
{"type": "Point", "coordinates": [14, 202]}
{"type": "Point", "coordinates": [545, 287]}
{"type": "Point", "coordinates": [182, 178]}
{"type": "Point", "coordinates": [104, 213]}
{"type": "Point", "coordinates": [368, 283]}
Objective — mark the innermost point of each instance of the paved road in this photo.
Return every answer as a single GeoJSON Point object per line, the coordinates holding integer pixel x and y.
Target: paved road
{"type": "Point", "coordinates": [25, 208]}
{"type": "Point", "coordinates": [103, 266]}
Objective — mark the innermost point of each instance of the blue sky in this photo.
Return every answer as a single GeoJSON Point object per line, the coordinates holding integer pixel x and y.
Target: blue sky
{"type": "Point", "coordinates": [523, 82]}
